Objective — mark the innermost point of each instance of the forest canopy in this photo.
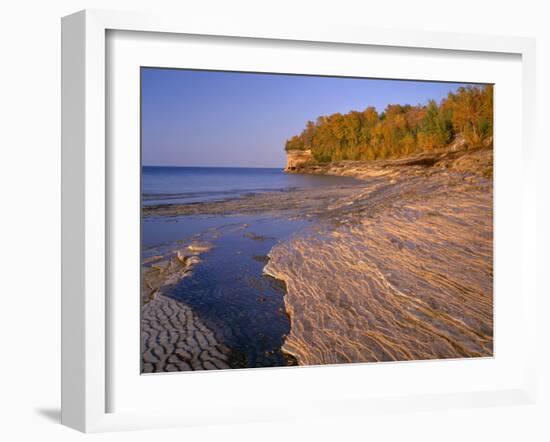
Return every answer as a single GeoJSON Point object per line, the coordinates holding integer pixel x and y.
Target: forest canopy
{"type": "Point", "coordinates": [400, 130]}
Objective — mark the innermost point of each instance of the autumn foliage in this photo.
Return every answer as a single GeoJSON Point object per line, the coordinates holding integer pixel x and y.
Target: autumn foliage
{"type": "Point", "coordinates": [401, 129]}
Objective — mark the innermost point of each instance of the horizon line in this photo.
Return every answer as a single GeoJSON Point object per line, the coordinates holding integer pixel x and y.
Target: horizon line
{"type": "Point", "coordinates": [219, 167]}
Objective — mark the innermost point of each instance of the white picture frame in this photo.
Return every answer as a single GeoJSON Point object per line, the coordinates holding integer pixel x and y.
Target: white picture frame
{"type": "Point", "coordinates": [85, 202]}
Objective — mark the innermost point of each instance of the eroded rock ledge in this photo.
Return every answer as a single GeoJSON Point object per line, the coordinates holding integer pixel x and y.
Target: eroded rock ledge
{"type": "Point", "coordinates": [297, 159]}
{"type": "Point", "coordinates": [173, 338]}
{"type": "Point", "coordinates": [402, 270]}
{"type": "Point", "coordinates": [458, 158]}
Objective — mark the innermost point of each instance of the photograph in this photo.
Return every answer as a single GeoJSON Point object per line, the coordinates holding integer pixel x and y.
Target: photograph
{"type": "Point", "coordinates": [302, 220]}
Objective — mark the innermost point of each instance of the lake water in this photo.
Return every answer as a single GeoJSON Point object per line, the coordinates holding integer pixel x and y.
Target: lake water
{"type": "Point", "coordinates": [228, 290]}
{"type": "Point", "coordinates": [177, 185]}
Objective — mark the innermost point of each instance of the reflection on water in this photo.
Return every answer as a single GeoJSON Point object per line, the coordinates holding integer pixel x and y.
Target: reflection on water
{"type": "Point", "coordinates": [227, 289]}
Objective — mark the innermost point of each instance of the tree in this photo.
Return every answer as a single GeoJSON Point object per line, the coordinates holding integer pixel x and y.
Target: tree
{"type": "Point", "coordinates": [400, 129]}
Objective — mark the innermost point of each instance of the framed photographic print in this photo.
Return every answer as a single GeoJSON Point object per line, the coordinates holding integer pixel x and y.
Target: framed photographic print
{"type": "Point", "coordinates": [371, 241]}
{"type": "Point", "coordinates": [252, 213]}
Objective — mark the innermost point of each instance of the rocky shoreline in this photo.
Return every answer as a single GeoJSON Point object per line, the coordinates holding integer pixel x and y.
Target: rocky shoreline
{"type": "Point", "coordinates": [294, 202]}
{"type": "Point", "coordinates": [173, 338]}
{"type": "Point", "coordinates": [401, 270]}
{"type": "Point", "coordinates": [397, 265]}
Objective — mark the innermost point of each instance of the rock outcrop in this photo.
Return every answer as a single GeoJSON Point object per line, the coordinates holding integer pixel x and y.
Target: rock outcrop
{"type": "Point", "coordinates": [173, 338]}
{"type": "Point", "coordinates": [400, 270]}
{"type": "Point", "coordinates": [453, 158]}
{"type": "Point", "coordinates": [297, 159]}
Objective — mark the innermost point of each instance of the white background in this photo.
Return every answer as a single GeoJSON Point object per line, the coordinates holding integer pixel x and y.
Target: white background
{"type": "Point", "coordinates": [29, 181]}
{"type": "Point", "coordinates": [269, 389]}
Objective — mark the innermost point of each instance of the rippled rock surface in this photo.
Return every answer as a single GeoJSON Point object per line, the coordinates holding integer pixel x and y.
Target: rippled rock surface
{"type": "Point", "coordinates": [173, 338]}
{"type": "Point", "coordinates": [402, 270]}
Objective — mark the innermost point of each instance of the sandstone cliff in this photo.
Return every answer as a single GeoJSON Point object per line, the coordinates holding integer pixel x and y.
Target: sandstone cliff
{"type": "Point", "coordinates": [297, 159]}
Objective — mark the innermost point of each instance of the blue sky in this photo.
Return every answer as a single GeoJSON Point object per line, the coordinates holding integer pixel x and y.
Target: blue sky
{"type": "Point", "coordinates": [209, 118]}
